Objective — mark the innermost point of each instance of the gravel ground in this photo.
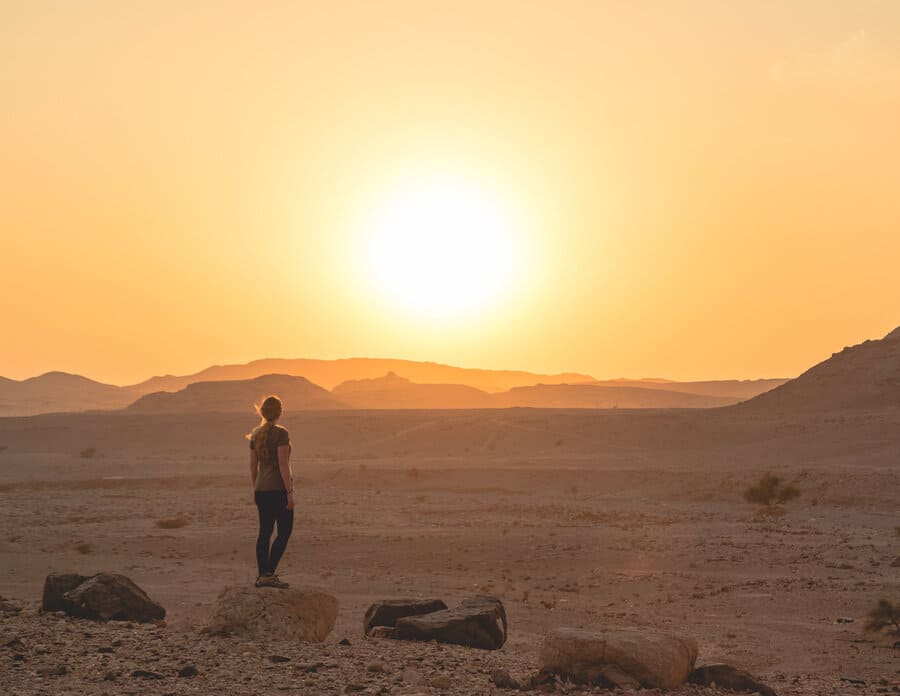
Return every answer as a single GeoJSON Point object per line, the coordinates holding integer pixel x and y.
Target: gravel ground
{"type": "Point", "coordinates": [54, 654]}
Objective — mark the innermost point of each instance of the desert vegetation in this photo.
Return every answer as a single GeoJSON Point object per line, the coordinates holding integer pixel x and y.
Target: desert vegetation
{"type": "Point", "coordinates": [884, 615]}
{"type": "Point", "coordinates": [88, 453]}
{"type": "Point", "coordinates": [770, 490]}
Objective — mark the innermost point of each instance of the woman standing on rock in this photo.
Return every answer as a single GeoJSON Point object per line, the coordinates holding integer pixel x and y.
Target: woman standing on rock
{"type": "Point", "coordinates": [273, 489]}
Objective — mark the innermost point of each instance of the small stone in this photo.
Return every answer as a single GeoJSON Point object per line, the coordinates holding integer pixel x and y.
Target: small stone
{"type": "Point", "coordinates": [279, 658]}
{"type": "Point", "coordinates": [855, 681]}
{"type": "Point", "coordinates": [376, 667]}
{"type": "Point", "coordinates": [110, 676]}
{"type": "Point", "coordinates": [146, 674]}
{"type": "Point", "coordinates": [441, 681]}
{"type": "Point", "coordinates": [381, 632]}
{"type": "Point", "coordinates": [502, 680]}
{"type": "Point", "coordinates": [343, 641]}
{"type": "Point", "coordinates": [309, 667]}
{"type": "Point", "coordinates": [52, 670]}
{"type": "Point", "coordinates": [411, 676]}
{"type": "Point", "coordinates": [350, 688]}
{"type": "Point", "coordinates": [188, 671]}
{"type": "Point", "coordinates": [843, 620]}
{"type": "Point", "coordinates": [104, 649]}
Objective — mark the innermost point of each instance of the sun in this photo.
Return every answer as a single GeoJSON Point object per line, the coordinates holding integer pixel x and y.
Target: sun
{"type": "Point", "coordinates": [443, 247]}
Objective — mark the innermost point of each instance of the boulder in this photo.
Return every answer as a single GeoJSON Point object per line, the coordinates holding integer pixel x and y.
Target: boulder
{"type": "Point", "coordinates": [387, 611]}
{"type": "Point", "coordinates": [730, 678]}
{"type": "Point", "coordinates": [271, 613]}
{"type": "Point", "coordinates": [55, 587]}
{"type": "Point", "coordinates": [108, 596]}
{"type": "Point", "coordinates": [478, 622]}
{"type": "Point", "coordinates": [654, 660]}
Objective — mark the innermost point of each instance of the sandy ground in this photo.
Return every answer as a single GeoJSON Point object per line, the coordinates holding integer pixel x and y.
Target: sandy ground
{"type": "Point", "coordinates": [573, 518]}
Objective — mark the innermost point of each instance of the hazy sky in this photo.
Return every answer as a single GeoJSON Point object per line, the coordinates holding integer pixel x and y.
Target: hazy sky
{"type": "Point", "coordinates": [688, 189]}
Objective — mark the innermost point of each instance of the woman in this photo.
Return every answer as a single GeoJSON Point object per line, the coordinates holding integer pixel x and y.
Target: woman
{"type": "Point", "coordinates": [273, 489]}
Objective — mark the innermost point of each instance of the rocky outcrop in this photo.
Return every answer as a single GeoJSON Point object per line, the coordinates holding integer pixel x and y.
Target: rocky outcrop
{"type": "Point", "coordinates": [478, 622]}
{"type": "Point", "coordinates": [55, 587]}
{"type": "Point", "coordinates": [730, 678]}
{"type": "Point", "coordinates": [270, 613]}
{"type": "Point", "coordinates": [385, 613]}
{"type": "Point", "coordinates": [101, 597]}
{"type": "Point", "coordinates": [613, 657]}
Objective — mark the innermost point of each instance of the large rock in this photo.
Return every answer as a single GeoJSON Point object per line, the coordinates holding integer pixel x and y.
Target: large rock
{"type": "Point", "coordinates": [730, 678]}
{"type": "Point", "coordinates": [478, 622]}
{"type": "Point", "coordinates": [271, 613]}
{"type": "Point", "coordinates": [108, 596]}
{"type": "Point", "coordinates": [387, 611]}
{"type": "Point", "coordinates": [55, 587]}
{"type": "Point", "coordinates": [655, 660]}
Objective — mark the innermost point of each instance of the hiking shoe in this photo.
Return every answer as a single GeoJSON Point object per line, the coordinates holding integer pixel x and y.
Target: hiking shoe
{"type": "Point", "coordinates": [275, 581]}
{"type": "Point", "coordinates": [265, 581]}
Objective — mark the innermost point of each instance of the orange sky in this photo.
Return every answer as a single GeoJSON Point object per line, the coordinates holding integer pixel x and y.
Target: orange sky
{"type": "Point", "coordinates": [698, 190]}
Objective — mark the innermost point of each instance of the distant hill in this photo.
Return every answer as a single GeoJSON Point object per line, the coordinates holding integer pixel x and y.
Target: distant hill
{"type": "Point", "coordinates": [58, 391]}
{"type": "Point", "coordinates": [736, 389]}
{"type": "Point", "coordinates": [393, 391]}
{"type": "Point", "coordinates": [239, 396]}
{"type": "Point", "coordinates": [602, 396]}
{"type": "Point", "coordinates": [330, 373]}
{"type": "Point", "coordinates": [865, 376]}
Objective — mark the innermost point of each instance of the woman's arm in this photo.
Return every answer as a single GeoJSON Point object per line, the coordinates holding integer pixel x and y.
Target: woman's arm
{"type": "Point", "coordinates": [254, 467]}
{"type": "Point", "coordinates": [287, 476]}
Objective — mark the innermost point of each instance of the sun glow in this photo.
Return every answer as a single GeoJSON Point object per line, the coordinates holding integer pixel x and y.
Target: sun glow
{"type": "Point", "coordinates": [443, 248]}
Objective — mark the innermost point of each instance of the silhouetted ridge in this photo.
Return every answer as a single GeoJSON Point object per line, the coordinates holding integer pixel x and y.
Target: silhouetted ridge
{"type": "Point", "coordinates": [864, 376]}
{"type": "Point", "coordinates": [238, 396]}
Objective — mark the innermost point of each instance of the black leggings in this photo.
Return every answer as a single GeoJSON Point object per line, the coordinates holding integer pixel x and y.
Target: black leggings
{"type": "Point", "coordinates": [272, 507]}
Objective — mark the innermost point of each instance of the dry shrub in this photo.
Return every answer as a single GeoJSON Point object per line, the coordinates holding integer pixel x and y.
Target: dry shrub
{"type": "Point", "coordinates": [884, 615]}
{"type": "Point", "coordinates": [770, 490]}
{"type": "Point", "coordinates": [172, 523]}
{"type": "Point", "coordinates": [87, 453]}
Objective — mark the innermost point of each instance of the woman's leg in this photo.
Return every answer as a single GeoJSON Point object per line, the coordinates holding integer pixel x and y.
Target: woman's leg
{"type": "Point", "coordinates": [285, 520]}
{"type": "Point", "coordinates": [267, 506]}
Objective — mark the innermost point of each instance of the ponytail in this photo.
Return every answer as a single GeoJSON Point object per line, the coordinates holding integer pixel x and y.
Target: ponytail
{"type": "Point", "coordinates": [269, 412]}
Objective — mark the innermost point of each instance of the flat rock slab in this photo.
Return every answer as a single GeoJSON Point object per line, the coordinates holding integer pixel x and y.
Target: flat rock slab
{"type": "Point", "coordinates": [654, 660]}
{"type": "Point", "coordinates": [387, 611]}
{"type": "Point", "coordinates": [100, 597]}
{"type": "Point", "coordinates": [478, 622]}
{"type": "Point", "coordinates": [270, 613]}
{"type": "Point", "coordinates": [728, 677]}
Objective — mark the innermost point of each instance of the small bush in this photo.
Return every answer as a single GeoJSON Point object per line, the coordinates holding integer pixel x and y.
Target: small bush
{"type": "Point", "coordinates": [770, 490]}
{"type": "Point", "coordinates": [173, 523]}
{"type": "Point", "coordinates": [884, 615]}
{"type": "Point", "coordinates": [87, 453]}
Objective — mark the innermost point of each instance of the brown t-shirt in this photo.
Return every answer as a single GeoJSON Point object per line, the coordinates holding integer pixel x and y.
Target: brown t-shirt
{"type": "Point", "coordinates": [269, 476]}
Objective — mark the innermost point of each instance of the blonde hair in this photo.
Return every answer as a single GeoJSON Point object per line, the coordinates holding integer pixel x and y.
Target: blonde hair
{"type": "Point", "coordinates": [269, 412]}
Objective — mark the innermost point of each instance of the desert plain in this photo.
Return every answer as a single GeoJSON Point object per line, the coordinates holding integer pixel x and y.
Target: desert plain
{"type": "Point", "coordinates": [583, 518]}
